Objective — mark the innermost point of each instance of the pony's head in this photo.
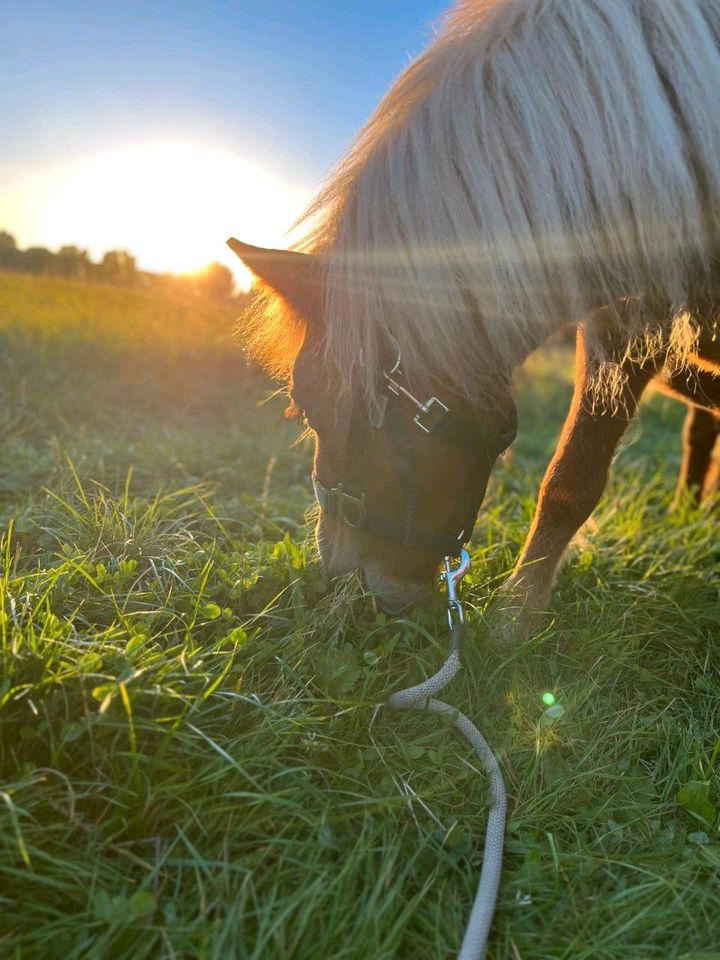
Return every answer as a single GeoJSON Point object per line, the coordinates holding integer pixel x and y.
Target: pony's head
{"type": "Point", "coordinates": [400, 474]}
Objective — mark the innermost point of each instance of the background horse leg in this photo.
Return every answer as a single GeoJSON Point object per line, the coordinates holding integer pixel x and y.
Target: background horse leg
{"type": "Point", "coordinates": [698, 471]}
{"type": "Point", "coordinates": [711, 487]}
{"type": "Point", "coordinates": [700, 388]}
{"type": "Point", "coordinates": [571, 488]}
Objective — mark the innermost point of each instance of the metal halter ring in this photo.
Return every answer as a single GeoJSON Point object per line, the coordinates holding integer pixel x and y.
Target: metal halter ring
{"type": "Point", "coordinates": [431, 416]}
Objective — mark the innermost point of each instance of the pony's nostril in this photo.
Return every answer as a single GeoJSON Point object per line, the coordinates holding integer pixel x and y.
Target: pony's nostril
{"type": "Point", "coordinates": [337, 562]}
{"type": "Point", "coordinates": [394, 595]}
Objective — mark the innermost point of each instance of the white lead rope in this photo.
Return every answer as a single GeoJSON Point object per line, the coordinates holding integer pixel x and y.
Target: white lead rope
{"type": "Point", "coordinates": [421, 697]}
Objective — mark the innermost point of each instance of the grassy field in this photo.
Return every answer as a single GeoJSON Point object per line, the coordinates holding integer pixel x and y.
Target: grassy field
{"type": "Point", "coordinates": [186, 764]}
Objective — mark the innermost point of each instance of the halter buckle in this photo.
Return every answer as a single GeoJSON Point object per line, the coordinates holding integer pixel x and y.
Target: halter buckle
{"type": "Point", "coordinates": [350, 507]}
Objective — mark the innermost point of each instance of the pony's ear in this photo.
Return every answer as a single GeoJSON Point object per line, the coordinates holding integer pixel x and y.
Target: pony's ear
{"type": "Point", "coordinates": [292, 275]}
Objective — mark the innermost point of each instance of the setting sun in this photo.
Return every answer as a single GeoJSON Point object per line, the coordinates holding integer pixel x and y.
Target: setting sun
{"type": "Point", "coordinates": [171, 204]}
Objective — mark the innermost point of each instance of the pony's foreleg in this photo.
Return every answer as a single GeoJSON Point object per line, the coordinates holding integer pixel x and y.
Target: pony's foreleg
{"type": "Point", "coordinates": [571, 488]}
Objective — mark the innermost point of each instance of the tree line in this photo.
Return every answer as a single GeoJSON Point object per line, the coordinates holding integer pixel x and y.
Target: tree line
{"type": "Point", "coordinates": [117, 267]}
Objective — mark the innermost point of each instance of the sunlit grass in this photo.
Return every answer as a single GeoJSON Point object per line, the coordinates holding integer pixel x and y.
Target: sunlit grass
{"type": "Point", "coordinates": [125, 320]}
{"type": "Point", "coordinates": [187, 766]}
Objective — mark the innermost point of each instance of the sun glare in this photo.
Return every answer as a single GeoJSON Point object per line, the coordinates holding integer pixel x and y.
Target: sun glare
{"type": "Point", "coordinates": [170, 204]}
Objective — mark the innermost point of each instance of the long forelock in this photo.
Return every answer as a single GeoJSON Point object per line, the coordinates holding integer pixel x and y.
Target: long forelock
{"type": "Point", "coordinates": [540, 157]}
{"type": "Point", "coordinates": [272, 332]}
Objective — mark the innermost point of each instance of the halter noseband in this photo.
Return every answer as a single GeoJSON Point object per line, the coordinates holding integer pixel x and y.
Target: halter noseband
{"type": "Point", "coordinates": [347, 502]}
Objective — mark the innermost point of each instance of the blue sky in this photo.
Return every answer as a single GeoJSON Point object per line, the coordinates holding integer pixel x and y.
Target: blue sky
{"type": "Point", "coordinates": [283, 85]}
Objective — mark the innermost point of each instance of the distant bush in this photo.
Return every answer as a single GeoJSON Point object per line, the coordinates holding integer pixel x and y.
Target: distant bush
{"type": "Point", "coordinates": [117, 267]}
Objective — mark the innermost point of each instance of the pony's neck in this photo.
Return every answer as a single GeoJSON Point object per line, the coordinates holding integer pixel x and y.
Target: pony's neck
{"type": "Point", "coordinates": [492, 363]}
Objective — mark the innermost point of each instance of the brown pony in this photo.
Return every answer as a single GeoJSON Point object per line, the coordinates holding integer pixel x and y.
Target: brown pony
{"type": "Point", "coordinates": [543, 162]}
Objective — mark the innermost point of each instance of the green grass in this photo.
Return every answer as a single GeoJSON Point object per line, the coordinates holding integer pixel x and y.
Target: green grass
{"type": "Point", "coordinates": [187, 767]}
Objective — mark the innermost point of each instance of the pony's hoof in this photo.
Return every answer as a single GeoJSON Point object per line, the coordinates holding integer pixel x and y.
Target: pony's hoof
{"type": "Point", "coordinates": [512, 629]}
{"type": "Point", "coordinates": [508, 623]}
{"type": "Point", "coordinates": [513, 616]}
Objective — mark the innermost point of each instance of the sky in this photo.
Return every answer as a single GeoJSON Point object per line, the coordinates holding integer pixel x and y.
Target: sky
{"type": "Point", "coordinates": [165, 127]}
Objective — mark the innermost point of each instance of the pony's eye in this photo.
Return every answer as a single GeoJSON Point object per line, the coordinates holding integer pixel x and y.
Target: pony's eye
{"type": "Point", "coordinates": [292, 411]}
{"type": "Point", "coordinates": [296, 413]}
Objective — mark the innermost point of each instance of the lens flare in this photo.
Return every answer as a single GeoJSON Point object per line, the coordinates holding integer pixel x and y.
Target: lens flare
{"type": "Point", "coordinates": [170, 203]}
{"type": "Point", "coordinates": [548, 699]}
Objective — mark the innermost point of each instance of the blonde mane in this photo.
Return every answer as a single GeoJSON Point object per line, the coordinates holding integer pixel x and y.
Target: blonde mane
{"type": "Point", "coordinates": [539, 159]}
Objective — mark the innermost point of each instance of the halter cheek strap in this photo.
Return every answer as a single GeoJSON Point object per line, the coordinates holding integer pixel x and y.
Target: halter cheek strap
{"type": "Point", "coordinates": [347, 502]}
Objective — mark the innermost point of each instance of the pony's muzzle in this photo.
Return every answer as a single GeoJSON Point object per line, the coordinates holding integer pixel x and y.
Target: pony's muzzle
{"type": "Point", "coordinates": [393, 594]}
{"type": "Point", "coordinates": [393, 575]}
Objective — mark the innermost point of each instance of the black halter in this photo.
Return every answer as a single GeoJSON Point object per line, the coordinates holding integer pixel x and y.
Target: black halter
{"type": "Point", "coordinates": [433, 418]}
